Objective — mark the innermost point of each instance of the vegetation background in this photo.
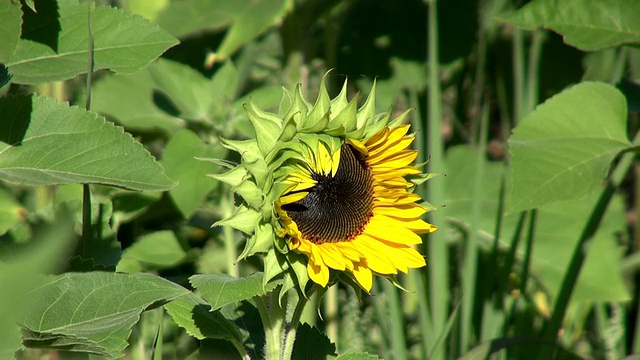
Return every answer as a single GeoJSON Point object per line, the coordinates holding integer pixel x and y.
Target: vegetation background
{"type": "Point", "coordinates": [536, 255]}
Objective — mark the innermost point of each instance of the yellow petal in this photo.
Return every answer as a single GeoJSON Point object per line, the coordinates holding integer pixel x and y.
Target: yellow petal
{"type": "Point", "coordinates": [383, 228]}
{"type": "Point", "coordinates": [348, 251]}
{"type": "Point", "coordinates": [318, 273]}
{"type": "Point", "coordinates": [393, 148]}
{"type": "Point", "coordinates": [291, 198]}
{"type": "Point", "coordinates": [404, 256]}
{"type": "Point", "coordinates": [406, 211]}
{"type": "Point", "coordinates": [397, 160]}
{"type": "Point", "coordinates": [374, 252]}
{"type": "Point", "coordinates": [332, 257]}
{"type": "Point", "coordinates": [362, 148]}
{"type": "Point", "coordinates": [335, 161]}
{"type": "Point", "coordinates": [323, 160]}
{"type": "Point", "coordinates": [363, 276]}
{"type": "Point", "coordinates": [377, 138]}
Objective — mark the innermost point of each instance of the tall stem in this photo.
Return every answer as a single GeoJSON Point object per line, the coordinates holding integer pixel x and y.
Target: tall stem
{"type": "Point", "coordinates": [280, 335]}
{"type": "Point", "coordinates": [437, 244]}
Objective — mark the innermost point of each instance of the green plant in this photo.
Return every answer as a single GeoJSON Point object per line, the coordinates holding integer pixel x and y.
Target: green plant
{"type": "Point", "coordinates": [106, 251]}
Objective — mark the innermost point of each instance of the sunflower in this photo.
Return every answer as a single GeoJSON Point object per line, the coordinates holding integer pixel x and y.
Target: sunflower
{"type": "Point", "coordinates": [326, 188]}
{"type": "Point", "coordinates": [351, 210]}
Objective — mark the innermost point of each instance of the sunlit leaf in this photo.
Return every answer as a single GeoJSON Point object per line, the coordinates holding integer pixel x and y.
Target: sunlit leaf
{"type": "Point", "coordinates": [564, 148]}
{"type": "Point", "coordinates": [49, 143]}
{"type": "Point", "coordinates": [11, 19]}
{"type": "Point", "coordinates": [194, 315]}
{"type": "Point", "coordinates": [587, 25]}
{"type": "Point", "coordinates": [557, 231]}
{"type": "Point", "coordinates": [92, 312]}
{"type": "Point", "coordinates": [123, 42]}
{"type": "Point", "coordinates": [221, 289]}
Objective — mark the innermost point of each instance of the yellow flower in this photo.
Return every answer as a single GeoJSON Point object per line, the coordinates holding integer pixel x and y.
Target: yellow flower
{"type": "Point", "coordinates": [352, 211]}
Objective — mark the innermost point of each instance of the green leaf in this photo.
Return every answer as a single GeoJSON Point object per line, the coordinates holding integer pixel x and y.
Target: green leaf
{"type": "Point", "coordinates": [11, 20]}
{"type": "Point", "coordinates": [254, 19]}
{"type": "Point", "coordinates": [564, 148]}
{"type": "Point", "coordinates": [260, 242]}
{"type": "Point", "coordinates": [159, 249]}
{"type": "Point", "coordinates": [134, 103]}
{"type": "Point", "coordinates": [92, 312]}
{"type": "Point", "coordinates": [180, 164]}
{"type": "Point", "coordinates": [243, 219]}
{"type": "Point", "coordinates": [195, 316]}
{"type": "Point", "coordinates": [268, 128]}
{"type": "Point", "coordinates": [556, 236]}
{"type": "Point", "coordinates": [352, 355]}
{"type": "Point", "coordinates": [557, 230]}
{"type": "Point", "coordinates": [587, 25]}
{"type": "Point", "coordinates": [312, 344]}
{"type": "Point", "coordinates": [201, 14]}
{"type": "Point", "coordinates": [51, 143]}
{"type": "Point", "coordinates": [233, 177]}
{"type": "Point", "coordinates": [221, 289]}
{"type": "Point", "coordinates": [123, 42]}
{"type": "Point", "coordinates": [22, 273]}
{"type": "Point", "coordinates": [188, 90]}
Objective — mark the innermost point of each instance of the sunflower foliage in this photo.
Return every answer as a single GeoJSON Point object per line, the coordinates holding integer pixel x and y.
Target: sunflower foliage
{"type": "Point", "coordinates": [281, 141]}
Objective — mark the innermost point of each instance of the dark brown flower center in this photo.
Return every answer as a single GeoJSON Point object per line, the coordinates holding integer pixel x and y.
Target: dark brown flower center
{"type": "Point", "coordinates": [338, 207]}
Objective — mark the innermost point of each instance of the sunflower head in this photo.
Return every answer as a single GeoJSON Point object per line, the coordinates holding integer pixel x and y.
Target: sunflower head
{"type": "Point", "coordinates": [327, 192]}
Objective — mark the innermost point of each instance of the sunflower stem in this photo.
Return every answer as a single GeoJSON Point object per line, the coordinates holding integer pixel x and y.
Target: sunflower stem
{"type": "Point", "coordinates": [290, 331]}
{"type": "Point", "coordinates": [273, 321]}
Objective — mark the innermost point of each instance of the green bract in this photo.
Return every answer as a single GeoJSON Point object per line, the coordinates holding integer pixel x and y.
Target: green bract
{"type": "Point", "coordinates": [266, 161]}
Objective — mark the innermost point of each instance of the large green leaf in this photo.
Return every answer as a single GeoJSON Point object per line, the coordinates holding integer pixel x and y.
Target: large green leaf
{"type": "Point", "coordinates": [92, 312]}
{"type": "Point", "coordinates": [180, 162]}
{"type": "Point", "coordinates": [11, 19]}
{"type": "Point", "coordinates": [194, 315]}
{"type": "Point", "coordinates": [123, 42]}
{"type": "Point", "coordinates": [221, 289]}
{"type": "Point", "coordinates": [557, 231]}
{"type": "Point", "coordinates": [49, 143]}
{"type": "Point", "coordinates": [564, 148]}
{"type": "Point", "coordinates": [587, 25]}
